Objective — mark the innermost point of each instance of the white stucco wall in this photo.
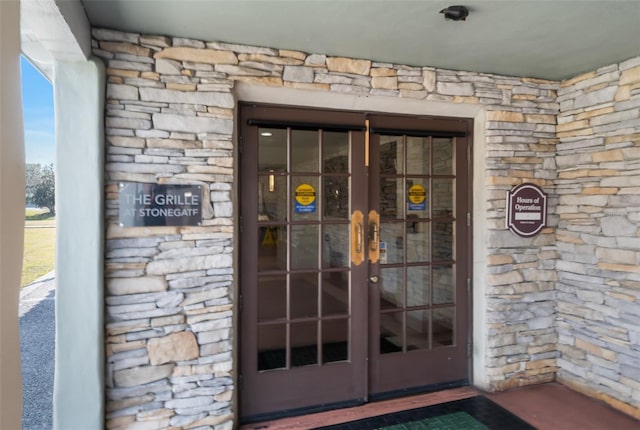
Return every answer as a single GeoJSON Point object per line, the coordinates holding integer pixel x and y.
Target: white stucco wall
{"type": "Point", "coordinates": [79, 103]}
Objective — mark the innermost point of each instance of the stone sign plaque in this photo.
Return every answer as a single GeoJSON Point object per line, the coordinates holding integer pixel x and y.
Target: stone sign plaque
{"type": "Point", "coordinates": [143, 205]}
{"type": "Point", "coordinates": [526, 210]}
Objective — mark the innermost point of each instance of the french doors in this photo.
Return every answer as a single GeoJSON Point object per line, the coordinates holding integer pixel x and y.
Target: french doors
{"type": "Point", "coordinates": [354, 256]}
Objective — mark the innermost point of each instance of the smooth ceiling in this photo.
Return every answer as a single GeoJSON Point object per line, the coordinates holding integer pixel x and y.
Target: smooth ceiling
{"type": "Point", "coordinates": [542, 39]}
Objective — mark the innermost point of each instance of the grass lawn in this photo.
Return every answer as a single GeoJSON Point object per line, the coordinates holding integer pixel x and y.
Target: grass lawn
{"type": "Point", "coordinates": [39, 246]}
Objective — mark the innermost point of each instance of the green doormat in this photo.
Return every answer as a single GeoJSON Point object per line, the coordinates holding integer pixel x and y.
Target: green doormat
{"type": "Point", "coordinates": [473, 413]}
{"type": "Point", "coordinates": [455, 421]}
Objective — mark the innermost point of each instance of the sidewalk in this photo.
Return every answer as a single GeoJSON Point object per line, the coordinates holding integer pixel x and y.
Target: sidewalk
{"type": "Point", "coordinates": [37, 350]}
{"type": "Point", "coordinates": [35, 292]}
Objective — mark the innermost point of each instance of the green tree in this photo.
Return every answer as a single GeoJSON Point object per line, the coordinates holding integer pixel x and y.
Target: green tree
{"type": "Point", "coordinates": [44, 192]}
{"type": "Point", "coordinates": [33, 176]}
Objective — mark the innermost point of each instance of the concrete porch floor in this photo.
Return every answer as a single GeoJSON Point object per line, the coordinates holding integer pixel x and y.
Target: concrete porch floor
{"type": "Point", "coordinates": [549, 406]}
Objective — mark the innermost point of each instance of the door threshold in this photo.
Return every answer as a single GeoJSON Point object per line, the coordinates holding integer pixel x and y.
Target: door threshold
{"type": "Point", "coordinates": [366, 410]}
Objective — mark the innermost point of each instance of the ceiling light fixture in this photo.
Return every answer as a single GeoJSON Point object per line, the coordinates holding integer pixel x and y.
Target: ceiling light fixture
{"type": "Point", "coordinates": [266, 134]}
{"type": "Point", "coordinates": [455, 13]}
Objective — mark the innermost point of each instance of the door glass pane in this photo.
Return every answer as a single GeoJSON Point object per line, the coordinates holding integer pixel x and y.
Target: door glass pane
{"type": "Point", "coordinates": [418, 155]}
{"type": "Point", "coordinates": [443, 156]}
{"type": "Point", "coordinates": [304, 150]}
{"type": "Point", "coordinates": [272, 296]}
{"type": "Point", "coordinates": [304, 247]}
{"type": "Point", "coordinates": [304, 344]}
{"type": "Point", "coordinates": [417, 286]}
{"type": "Point", "coordinates": [391, 198]}
{"type": "Point", "coordinates": [442, 241]}
{"type": "Point", "coordinates": [442, 198]}
{"type": "Point", "coordinates": [304, 198]}
{"type": "Point", "coordinates": [272, 197]}
{"type": "Point", "coordinates": [391, 288]}
{"type": "Point", "coordinates": [392, 241]}
{"type": "Point", "coordinates": [335, 152]}
{"type": "Point", "coordinates": [335, 198]}
{"type": "Point", "coordinates": [391, 155]}
{"type": "Point", "coordinates": [272, 347]}
{"type": "Point", "coordinates": [418, 242]}
{"type": "Point", "coordinates": [272, 247]}
{"type": "Point", "coordinates": [335, 293]}
{"type": "Point", "coordinates": [335, 245]}
{"type": "Point", "coordinates": [304, 295]}
{"type": "Point", "coordinates": [443, 327]}
{"type": "Point", "coordinates": [443, 285]}
{"type": "Point", "coordinates": [391, 332]}
{"type": "Point", "coordinates": [418, 197]}
{"type": "Point", "coordinates": [272, 150]}
{"type": "Point", "coordinates": [335, 340]}
{"type": "Point", "coordinates": [417, 330]}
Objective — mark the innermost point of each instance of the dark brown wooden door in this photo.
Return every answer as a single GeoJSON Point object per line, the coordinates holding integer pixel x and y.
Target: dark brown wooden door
{"type": "Point", "coordinates": [353, 257]}
{"type": "Point", "coordinates": [419, 305]}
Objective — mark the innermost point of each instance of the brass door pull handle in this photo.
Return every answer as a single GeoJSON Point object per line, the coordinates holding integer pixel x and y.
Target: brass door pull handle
{"type": "Point", "coordinates": [373, 236]}
{"type": "Point", "coordinates": [357, 237]}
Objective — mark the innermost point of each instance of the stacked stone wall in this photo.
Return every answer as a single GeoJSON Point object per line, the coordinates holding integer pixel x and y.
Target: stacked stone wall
{"type": "Point", "coordinates": [599, 233]}
{"type": "Point", "coordinates": [170, 290]}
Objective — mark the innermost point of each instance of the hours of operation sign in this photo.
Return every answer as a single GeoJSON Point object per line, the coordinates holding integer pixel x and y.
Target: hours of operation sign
{"type": "Point", "coordinates": [526, 210]}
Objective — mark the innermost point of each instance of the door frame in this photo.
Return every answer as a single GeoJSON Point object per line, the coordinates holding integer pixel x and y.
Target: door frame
{"type": "Point", "coordinates": [310, 114]}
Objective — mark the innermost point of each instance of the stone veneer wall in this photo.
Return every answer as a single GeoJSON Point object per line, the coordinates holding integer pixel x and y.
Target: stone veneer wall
{"type": "Point", "coordinates": [598, 234]}
{"type": "Point", "coordinates": [170, 290]}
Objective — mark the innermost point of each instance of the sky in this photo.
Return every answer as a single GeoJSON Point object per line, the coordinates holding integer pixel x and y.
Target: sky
{"type": "Point", "coordinates": [37, 111]}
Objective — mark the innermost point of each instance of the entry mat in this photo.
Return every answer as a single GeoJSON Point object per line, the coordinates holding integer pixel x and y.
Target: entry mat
{"type": "Point", "coordinates": [473, 413]}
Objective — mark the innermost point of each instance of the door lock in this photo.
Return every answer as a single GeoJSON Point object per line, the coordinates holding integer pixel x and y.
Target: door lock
{"type": "Point", "coordinates": [374, 279]}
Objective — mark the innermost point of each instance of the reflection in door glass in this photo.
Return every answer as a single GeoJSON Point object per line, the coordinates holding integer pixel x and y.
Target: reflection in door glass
{"type": "Point", "coordinates": [272, 247]}
{"type": "Point", "coordinates": [272, 150]}
{"type": "Point", "coordinates": [272, 197]}
{"type": "Point", "coordinates": [272, 296]}
{"type": "Point", "coordinates": [304, 295]}
{"type": "Point", "coordinates": [443, 156]}
{"type": "Point", "coordinates": [442, 198]}
{"type": "Point", "coordinates": [391, 155]}
{"type": "Point", "coordinates": [442, 241]}
{"type": "Point", "coordinates": [272, 347]}
{"type": "Point", "coordinates": [335, 198]}
{"type": "Point", "coordinates": [304, 247]}
{"type": "Point", "coordinates": [304, 150]}
{"type": "Point", "coordinates": [417, 330]}
{"type": "Point", "coordinates": [418, 244]}
{"type": "Point", "coordinates": [392, 240]}
{"type": "Point", "coordinates": [391, 332]}
{"type": "Point", "coordinates": [418, 286]}
{"type": "Point", "coordinates": [304, 344]}
{"type": "Point", "coordinates": [443, 284]}
{"type": "Point", "coordinates": [335, 293]}
{"type": "Point", "coordinates": [335, 245]}
{"type": "Point", "coordinates": [443, 327]}
{"type": "Point", "coordinates": [391, 198]}
{"type": "Point", "coordinates": [391, 288]}
{"type": "Point", "coordinates": [417, 155]}
{"type": "Point", "coordinates": [335, 152]}
{"type": "Point", "coordinates": [335, 340]}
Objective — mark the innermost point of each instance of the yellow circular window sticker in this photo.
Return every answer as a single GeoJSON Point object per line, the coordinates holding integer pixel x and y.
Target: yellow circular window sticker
{"type": "Point", "coordinates": [305, 198]}
{"type": "Point", "coordinates": [417, 197]}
